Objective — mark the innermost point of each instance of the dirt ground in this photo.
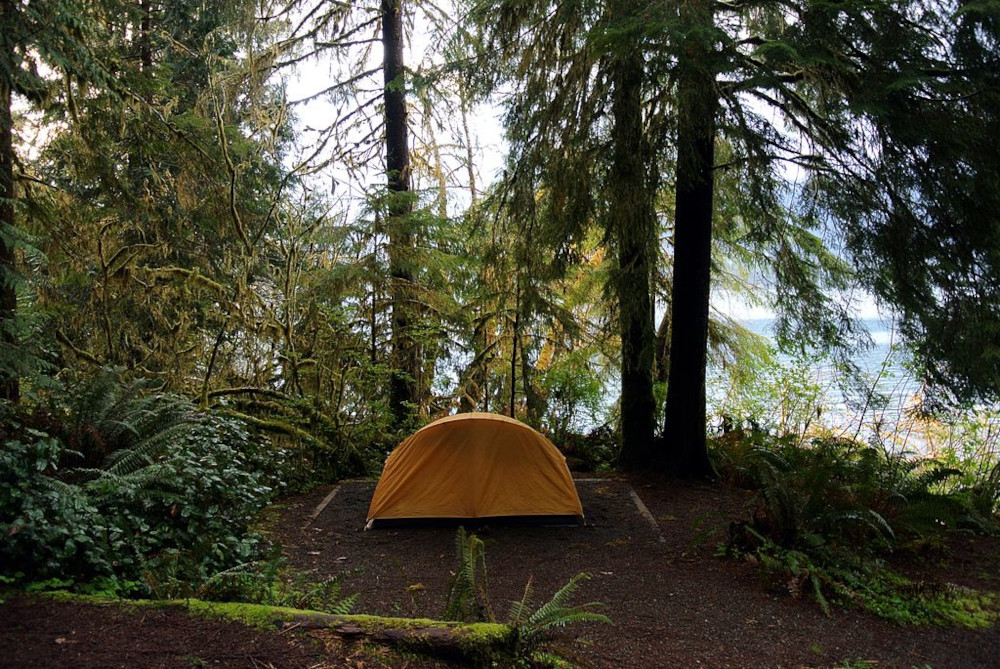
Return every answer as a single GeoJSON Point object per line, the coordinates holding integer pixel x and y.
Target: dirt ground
{"type": "Point", "coordinates": [673, 603]}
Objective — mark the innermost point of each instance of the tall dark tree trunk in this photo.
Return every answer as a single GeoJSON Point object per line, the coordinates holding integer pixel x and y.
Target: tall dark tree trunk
{"type": "Point", "coordinates": [9, 383]}
{"type": "Point", "coordinates": [145, 38]}
{"type": "Point", "coordinates": [633, 227]}
{"type": "Point", "coordinates": [685, 420]}
{"type": "Point", "coordinates": [405, 352]}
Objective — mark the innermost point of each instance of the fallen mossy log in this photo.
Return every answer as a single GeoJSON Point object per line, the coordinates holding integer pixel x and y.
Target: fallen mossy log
{"type": "Point", "coordinates": [472, 643]}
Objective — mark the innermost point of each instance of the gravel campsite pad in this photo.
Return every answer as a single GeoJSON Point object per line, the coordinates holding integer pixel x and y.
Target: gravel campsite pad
{"type": "Point", "coordinates": [648, 543]}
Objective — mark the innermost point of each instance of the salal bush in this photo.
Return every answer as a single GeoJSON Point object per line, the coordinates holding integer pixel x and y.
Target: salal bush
{"type": "Point", "coordinates": [171, 503]}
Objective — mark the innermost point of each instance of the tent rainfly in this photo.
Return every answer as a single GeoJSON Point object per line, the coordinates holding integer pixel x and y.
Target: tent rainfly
{"type": "Point", "coordinates": [474, 466]}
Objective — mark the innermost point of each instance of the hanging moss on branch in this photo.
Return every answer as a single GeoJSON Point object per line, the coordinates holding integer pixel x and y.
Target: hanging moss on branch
{"type": "Point", "coordinates": [275, 426]}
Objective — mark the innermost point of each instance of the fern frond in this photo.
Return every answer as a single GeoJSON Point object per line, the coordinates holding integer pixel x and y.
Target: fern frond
{"type": "Point", "coordinates": [143, 453]}
{"type": "Point", "coordinates": [557, 613]}
{"type": "Point", "coordinates": [930, 476]}
{"type": "Point", "coordinates": [520, 610]}
{"type": "Point", "coordinates": [564, 593]}
{"type": "Point", "coordinates": [881, 524]}
{"type": "Point", "coordinates": [345, 605]}
{"type": "Point", "coordinates": [818, 594]}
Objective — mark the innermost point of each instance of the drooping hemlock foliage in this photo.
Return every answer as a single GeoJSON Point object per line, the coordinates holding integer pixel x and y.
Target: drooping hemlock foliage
{"type": "Point", "coordinates": [33, 37]}
{"type": "Point", "coordinates": [879, 114]}
{"type": "Point", "coordinates": [882, 123]}
{"type": "Point", "coordinates": [918, 198]}
{"type": "Point", "coordinates": [581, 143]}
{"type": "Point", "coordinates": [568, 126]}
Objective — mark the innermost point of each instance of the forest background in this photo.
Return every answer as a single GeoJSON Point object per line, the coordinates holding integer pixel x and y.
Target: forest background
{"type": "Point", "coordinates": [206, 271]}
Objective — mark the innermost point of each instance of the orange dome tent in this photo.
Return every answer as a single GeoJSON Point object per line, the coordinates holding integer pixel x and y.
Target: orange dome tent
{"type": "Point", "coordinates": [472, 466]}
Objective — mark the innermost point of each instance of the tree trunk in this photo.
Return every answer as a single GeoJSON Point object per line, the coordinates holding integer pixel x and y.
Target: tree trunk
{"type": "Point", "coordinates": [685, 420]}
{"type": "Point", "coordinates": [145, 39]}
{"type": "Point", "coordinates": [9, 383]}
{"type": "Point", "coordinates": [403, 392]}
{"type": "Point", "coordinates": [515, 338]}
{"type": "Point", "coordinates": [633, 229]}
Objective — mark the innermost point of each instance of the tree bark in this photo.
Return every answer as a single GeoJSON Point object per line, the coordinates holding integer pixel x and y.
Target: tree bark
{"type": "Point", "coordinates": [9, 382]}
{"type": "Point", "coordinates": [405, 352]}
{"type": "Point", "coordinates": [145, 39]}
{"type": "Point", "coordinates": [633, 229]}
{"type": "Point", "coordinates": [685, 420]}
{"type": "Point", "coordinates": [515, 338]}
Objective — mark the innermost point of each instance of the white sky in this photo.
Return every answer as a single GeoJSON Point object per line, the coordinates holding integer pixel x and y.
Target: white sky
{"type": "Point", "coordinates": [485, 126]}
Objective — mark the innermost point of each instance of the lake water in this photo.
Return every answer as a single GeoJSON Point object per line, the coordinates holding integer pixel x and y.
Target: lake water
{"type": "Point", "coordinates": [807, 395]}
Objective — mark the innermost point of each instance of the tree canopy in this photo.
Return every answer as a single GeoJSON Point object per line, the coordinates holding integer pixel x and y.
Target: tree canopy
{"type": "Point", "coordinates": [186, 215]}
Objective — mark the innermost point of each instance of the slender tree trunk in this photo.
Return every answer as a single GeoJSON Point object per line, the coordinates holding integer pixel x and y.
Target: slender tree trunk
{"type": "Point", "coordinates": [373, 326]}
{"type": "Point", "coordinates": [513, 349]}
{"type": "Point", "coordinates": [9, 383]}
{"type": "Point", "coordinates": [534, 402]}
{"type": "Point", "coordinates": [633, 229]}
{"type": "Point", "coordinates": [484, 372]}
{"type": "Point", "coordinates": [661, 366]}
{"type": "Point", "coordinates": [470, 165]}
{"type": "Point", "coordinates": [685, 419]}
{"type": "Point", "coordinates": [405, 353]}
{"type": "Point", "coordinates": [145, 38]}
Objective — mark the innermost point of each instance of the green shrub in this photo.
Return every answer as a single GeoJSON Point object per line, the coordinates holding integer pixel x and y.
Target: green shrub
{"type": "Point", "coordinates": [169, 500]}
{"type": "Point", "coordinates": [574, 393]}
{"type": "Point", "coordinates": [47, 527]}
{"type": "Point", "coordinates": [211, 486]}
{"type": "Point", "coordinates": [828, 512]}
{"type": "Point", "coordinates": [594, 451]}
{"type": "Point", "coordinates": [321, 449]}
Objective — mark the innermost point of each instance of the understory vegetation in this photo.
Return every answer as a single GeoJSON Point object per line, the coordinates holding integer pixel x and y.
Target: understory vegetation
{"type": "Point", "coordinates": [112, 486]}
{"type": "Point", "coordinates": [832, 515]}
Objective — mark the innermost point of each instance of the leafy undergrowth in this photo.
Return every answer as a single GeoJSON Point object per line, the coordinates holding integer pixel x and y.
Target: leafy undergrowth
{"type": "Point", "coordinates": [829, 514]}
{"type": "Point", "coordinates": [112, 486]}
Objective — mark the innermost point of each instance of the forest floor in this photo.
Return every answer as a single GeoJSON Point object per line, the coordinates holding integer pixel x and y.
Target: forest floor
{"type": "Point", "coordinates": [673, 602]}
